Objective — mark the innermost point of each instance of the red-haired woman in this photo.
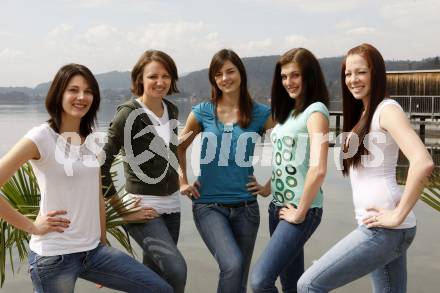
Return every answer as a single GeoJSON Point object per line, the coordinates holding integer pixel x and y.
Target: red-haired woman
{"type": "Point", "coordinates": [387, 225]}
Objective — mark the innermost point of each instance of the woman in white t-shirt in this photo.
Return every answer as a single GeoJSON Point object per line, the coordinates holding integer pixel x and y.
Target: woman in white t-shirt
{"type": "Point", "coordinates": [383, 211]}
{"type": "Point", "coordinates": [69, 235]}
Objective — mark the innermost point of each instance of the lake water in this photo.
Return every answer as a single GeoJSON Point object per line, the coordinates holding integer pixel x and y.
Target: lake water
{"type": "Point", "coordinates": [338, 220]}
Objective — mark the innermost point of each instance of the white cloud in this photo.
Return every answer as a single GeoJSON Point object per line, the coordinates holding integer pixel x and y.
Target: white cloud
{"type": "Point", "coordinates": [88, 3]}
{"type": "Point", "coordinates": [343, 25]}
{"type": "Point", "coordinates": [165, 35]}
{"type": "Point", "coordinates": [110, 47]}
{"type": "Point", "coordinates": [410, 28]}
{"type": "Point", "coordinates": [213, 36]}
{"type": "Point", "coordinates": [363, 30]}
{"type": "Point", "coordinates": [251, 48]}
{"type": "Point", "coordinates": [94, 3]}
{"type": "Point", "coordinates": [192, 34]}
{"type": "Point", "coordinates": [325, 6]}
{"type": "Point", "coordinates": [60, 30]}
{"type": "Point", "coordinates": [296, 41]}
{"type": "Point", "coordinates": [275, 46]}
{"type": "Point", "coordinates": [58, 34]}
{"type": "Point", "coordinates": [210, 42]}
{"type": "Point", "coordinates": [190, 42]}
{"type": "Point", "coordinates": [7, 54]}
{"type": "Point", "coordinates": [4, 34]}
{"type": "Point", "coordinates": [419, 14]}
{"type": "Point", "coordinates": [101, 34]}
{"type": "Point", "coordinates": [314, 6]}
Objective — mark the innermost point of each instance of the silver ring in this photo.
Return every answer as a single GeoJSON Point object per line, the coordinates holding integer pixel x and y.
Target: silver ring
{"type": "Point", "coordinates": [375, 218]}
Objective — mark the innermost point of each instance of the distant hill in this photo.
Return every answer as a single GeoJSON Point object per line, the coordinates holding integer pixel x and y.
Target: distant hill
{"type": "Point", "coordinates": [114, 80]}
{"type": "Point", "coordinates": [14, 97]}
{"type": "Point", "coordinates": [25, 90]}
{"type": "Point", "coordinates": [260, 71]}
{"type": "Point", "coordinates": [115, 85]}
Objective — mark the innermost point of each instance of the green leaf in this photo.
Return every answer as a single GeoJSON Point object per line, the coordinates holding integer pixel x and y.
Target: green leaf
{"type": "Point", "coordinates": [431, 194]}
{"type": "Point", "coordinates": [23, 194]}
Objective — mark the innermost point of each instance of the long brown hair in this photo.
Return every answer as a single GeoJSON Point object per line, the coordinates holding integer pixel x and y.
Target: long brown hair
{"type": "Point", "coordinates": [245, 100]}
{"type": "Point", "coordinates": [313, 85]}
{"type": "Point", "coordinates": [352, 108]}
{"type": "Point", "coordinates": [54, 97]}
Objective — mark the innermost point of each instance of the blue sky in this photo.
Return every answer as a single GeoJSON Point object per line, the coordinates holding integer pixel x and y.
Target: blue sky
{"type": "Point", "coordinates": [37, 37]}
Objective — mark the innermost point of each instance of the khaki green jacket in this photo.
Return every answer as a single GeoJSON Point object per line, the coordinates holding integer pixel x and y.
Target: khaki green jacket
{"type": "Point", "coordinates": [150, 166]}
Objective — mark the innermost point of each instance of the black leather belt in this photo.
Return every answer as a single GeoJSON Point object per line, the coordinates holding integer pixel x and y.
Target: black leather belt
{"type": "Point", "coordinates": [236, 205]}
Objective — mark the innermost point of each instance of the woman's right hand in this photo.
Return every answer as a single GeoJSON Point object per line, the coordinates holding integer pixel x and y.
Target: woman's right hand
{"type": "Point", "coordinates": [291, 214]}
{"type": "Point", "coordinates": [142, 214]}
{"type": "Point", "coordinates": [139, 213]}
{"type": "Point", "coordinates": [50, 223]}
{"type": "Point", "coordinates": [191, 190]}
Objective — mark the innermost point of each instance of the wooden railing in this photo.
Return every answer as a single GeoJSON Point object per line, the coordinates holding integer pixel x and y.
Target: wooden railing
{"type": "Point", "coordinates": [415, 106]}
{"type": "Point", "coordinates": [420, 106]}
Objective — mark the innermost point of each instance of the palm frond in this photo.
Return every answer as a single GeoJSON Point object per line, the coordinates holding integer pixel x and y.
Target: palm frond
{"type": "Point", "coordinates": [431, 194]}
{"type": "Point", "coordinates": [23, 194]}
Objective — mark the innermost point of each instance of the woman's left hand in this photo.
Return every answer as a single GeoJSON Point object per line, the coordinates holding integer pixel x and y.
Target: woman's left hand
{"type": "Point", "coordinates": [256, 189]}
{"type": "Point", "coordinates": [383, 218]}
{"type": "Point", "coordinates": [290, 214]}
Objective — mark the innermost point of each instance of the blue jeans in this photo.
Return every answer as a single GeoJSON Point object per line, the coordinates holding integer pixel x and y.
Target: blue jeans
{"type": "Point", "coordinates": [379, 251]}
{"type": "Point", "coordinates": [158, 238]}
{"type": "Point", "coordinates": [103, 265]}
{"type": "Point", "coordinates": [284, 254]}
{"type": "Point", "coordinates": [229, 233]}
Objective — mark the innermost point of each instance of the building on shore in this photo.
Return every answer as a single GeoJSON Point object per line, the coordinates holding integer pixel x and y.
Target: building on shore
{"type": "Point", "coordinates": [418, 91]}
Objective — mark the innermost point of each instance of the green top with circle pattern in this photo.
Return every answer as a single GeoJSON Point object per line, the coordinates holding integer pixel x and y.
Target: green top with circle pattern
{"type": "Point", "coordinates": [290, 158]}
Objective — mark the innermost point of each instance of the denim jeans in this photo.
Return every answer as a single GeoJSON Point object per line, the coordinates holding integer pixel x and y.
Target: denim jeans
{"type": "Point", "coordinates": [103, 265]}
{"type": "Point", "coordinates": [284, 254]}
{"type": "Point", "coordinates": [379, 251]}
{"type": "Point", "coordinates": [229, 234]}
{"type": "Point", "coordinates": [158, 238]}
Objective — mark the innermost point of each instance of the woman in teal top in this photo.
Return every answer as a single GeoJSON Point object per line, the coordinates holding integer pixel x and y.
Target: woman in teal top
{"type": "Point", "coordinates": [226, 214]}
{"type": "Point", "coordinates": [226, 153]}
{"type": "Point", "coordinates": [300, 146]}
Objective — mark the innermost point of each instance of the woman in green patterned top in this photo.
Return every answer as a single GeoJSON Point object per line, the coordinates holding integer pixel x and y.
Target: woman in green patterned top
{"type": "Point", "coordinates": [300, 146]}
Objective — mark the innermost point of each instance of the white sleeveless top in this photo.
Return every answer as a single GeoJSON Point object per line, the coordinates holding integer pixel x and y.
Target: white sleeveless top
{"type": "Point", "coordinates": [374, 181]}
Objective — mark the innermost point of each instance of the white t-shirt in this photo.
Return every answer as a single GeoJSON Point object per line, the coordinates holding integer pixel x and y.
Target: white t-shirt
{"type": "Point", "coordinates": [68, 177]}
{"type": "Point", "coordinates": [162, 204]}
{"type": "Point", "coordinates": [374, 181]}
